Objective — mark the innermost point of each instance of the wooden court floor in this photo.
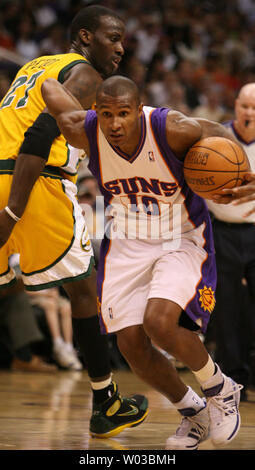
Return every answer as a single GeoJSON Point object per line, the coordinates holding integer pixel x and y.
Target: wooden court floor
{"type": "Point", "coordinates": [52, 411]}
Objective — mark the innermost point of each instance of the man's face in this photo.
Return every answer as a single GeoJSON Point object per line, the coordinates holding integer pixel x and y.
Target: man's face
{"type": "Point", "coordinates": [119, 119]}
{"type": "Point", "coordinates": [106, 46]}
{"type": "Point", "coordinates": [245, 109]}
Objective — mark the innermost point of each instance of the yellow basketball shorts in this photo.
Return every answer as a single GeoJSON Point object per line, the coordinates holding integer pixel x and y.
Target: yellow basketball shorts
{"type": "Point", "coordinates": [51, 237]}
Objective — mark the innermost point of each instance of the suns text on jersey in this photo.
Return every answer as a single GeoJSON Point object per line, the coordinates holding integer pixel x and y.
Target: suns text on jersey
{"type": "Point", "coordinates": [139, 184]}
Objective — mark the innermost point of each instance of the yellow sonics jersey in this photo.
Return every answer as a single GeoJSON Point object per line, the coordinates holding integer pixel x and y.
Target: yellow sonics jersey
{"type": "Point", "coordinates": [23, 103]}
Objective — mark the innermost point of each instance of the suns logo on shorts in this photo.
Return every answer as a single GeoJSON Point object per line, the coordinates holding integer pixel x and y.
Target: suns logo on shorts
{"type": "Point", "coordinates": [207, 298]}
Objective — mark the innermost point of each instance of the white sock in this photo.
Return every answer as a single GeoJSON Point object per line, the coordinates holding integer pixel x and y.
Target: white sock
{"type": "Point", "coordinates": [208, 377]}
{"type": "Point", "coordinates": [58, 342]}
{"type": "Point", "coordinates": [69, 347]}
{"type": "Point", "coordinates": [206, 372]}
{"type": "Point", "coordinates": [214, 381]}
{"type": "Point", "coordinates": [190, 401]}
{"type": "Point", "coordinates": [100, 385]}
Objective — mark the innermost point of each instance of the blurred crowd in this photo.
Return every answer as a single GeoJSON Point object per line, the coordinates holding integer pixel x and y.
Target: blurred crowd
{"type": "Point", "coordinates": [187, 54]}
{"type": "Point", "coordinates": [193, 56]}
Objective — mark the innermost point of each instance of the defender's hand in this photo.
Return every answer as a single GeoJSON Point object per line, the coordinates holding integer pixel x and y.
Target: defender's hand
{"type": "Point", "coordinates": [240, 195]}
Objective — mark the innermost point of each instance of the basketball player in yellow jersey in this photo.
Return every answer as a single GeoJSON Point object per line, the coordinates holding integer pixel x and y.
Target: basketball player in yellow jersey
{"type": "Point", "coordinates": [39, 214]}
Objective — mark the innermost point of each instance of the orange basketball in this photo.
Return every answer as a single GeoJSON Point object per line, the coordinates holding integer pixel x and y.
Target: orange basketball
{"type": "Point", "coordinates": [214, 163]}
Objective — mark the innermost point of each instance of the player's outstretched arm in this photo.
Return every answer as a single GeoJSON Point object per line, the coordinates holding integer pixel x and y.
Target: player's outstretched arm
{"type": "Point", "coordinates": [182, 132]}
{"type": "Point", "coordinates": [67, 111]}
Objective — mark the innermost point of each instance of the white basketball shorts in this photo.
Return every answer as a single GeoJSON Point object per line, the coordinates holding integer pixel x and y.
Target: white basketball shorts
{"type": "Point", "coordinates": [131, 272]}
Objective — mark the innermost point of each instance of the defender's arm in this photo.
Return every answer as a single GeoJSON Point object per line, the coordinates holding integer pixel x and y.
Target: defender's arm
{"type": "Point", "coordinates": [82, 80]}
{"type": "Point", "coordinates": [67, 111]}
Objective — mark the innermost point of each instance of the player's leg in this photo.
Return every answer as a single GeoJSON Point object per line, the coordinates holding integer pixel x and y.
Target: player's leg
{"type": "Point", "coordinates": [152, 366]}
{"type": "Point", "coordinates": [94, 347]}
{"type": "Point", "coordinates": [123, 302]}
{"type": "Point", "coordinates": [223, 394]}
{"type": "Point", "coordinates": [184, 344]}
{"type": "Point", "coordinates": [86, 329]}
{"type": "Point", "coordinates": [66, 258]}
{"type": "Point", "coordinates": [65, 315]}
{"type": "Point", "coordinates": [176, 285]}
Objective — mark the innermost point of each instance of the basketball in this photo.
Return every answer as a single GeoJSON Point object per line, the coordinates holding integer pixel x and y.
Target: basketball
{"type": "Point", "coordinates": [214, 163]}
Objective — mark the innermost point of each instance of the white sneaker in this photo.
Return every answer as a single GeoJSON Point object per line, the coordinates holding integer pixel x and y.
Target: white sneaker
{"type": "Point", "coordinates": [76, 365]}
{"type": "Point", "coordinates": [66, 359]}
{"type": "Point", "coordinates": [224, 413]}
{"type": "Point", "coordinates": [192, 431]}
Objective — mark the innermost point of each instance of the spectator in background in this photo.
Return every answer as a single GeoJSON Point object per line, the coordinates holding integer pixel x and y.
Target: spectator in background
{"type": "Point", "coordinates": [185, 34]}
{"type": "Point", "coordinates": [11, 11]}
{"type": "Point", "coordinates": [211, 108]}
{"type": "Point", "coordinates": [218, 69]}
{"type": "Point", "coordinates": [136, 70]}
{"type": "Point", "coordinates": [228, 104]}
{"type": "Point", "coordinates": [44, 14]}
{"type": "Point", "coordinates": [176, 99]}
{"type": "Point", "coordinates": [193, 52]}
{"type": "Point", "coordinates": [185, 70]}
{"type": "Point", "coordinates": [147, 36]}
{"type": "Point", "coordinates": [169, 59]}
{"type": "Point", "coordinates": [246, 7]}
{"type": "Point", "coordinates": [26, 45]}
{"type": "Point", "coordinates": [4, 84]}
{"type": "Point", "coordinates": [19, 331]}
{"type": "Point", "coordinates": [58, 314]}
{"type": "Point", "coordinates": [6, 39]}
{"type": "Point", "coordinates": [55, 41]}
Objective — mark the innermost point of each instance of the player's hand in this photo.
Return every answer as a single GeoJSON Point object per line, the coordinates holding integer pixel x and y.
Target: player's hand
{"type": "Point", "coordinates": [223, 198]}
{"type": "Point", "coordinates": [239, 195]}
{"type": "Point", "coordinates": [6, 227]}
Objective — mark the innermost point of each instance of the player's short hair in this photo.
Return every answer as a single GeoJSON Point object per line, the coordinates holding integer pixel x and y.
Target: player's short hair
{"type": "Point", "coordinates": [119, 85]}
{"type": "Point", "coordinates": [89, 18]}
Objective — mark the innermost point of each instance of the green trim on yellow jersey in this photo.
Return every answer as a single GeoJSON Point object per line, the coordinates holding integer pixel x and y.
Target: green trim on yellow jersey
{"type": "Point", "coordinates": [7, 167]}
{"type": "Point", "coordinates": [6, 272]}
{"type": "Point", "coordinates": [62, 281]}
{"type": "Point", "coordinates": [9, 284]}
{"type": "Point", "coordinates": [62, 72]}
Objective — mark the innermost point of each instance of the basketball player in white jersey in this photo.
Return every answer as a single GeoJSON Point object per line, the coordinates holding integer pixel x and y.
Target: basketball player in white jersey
{"type": "Point", "coordinates": [157, 273]}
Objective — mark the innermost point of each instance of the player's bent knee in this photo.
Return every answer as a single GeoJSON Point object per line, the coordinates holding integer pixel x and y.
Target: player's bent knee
{"type": "Point", "coordinates": [132, 342]}
{"type": "Point", "coordinates": [150, 322]}
{"type": "Point", "coordinates": [160, 317]}
{"type": "Point", "coordinates": [83, 300]}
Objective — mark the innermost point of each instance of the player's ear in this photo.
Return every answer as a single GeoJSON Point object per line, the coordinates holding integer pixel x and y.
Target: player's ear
{"type": "Point", "coordinates": [140, 109]}
{"type": "Point", "coordinates": [85, 36]}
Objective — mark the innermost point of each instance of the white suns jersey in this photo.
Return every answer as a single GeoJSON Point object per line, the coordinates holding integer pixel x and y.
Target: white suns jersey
{"type": "Point", "coordinates": [228, 212]}
{"type": "Point", "coordinates": [144, 192]}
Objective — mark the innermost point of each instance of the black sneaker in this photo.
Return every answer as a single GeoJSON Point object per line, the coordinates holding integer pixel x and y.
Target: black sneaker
{"type": "Point", "coordinates": [116, 413]}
